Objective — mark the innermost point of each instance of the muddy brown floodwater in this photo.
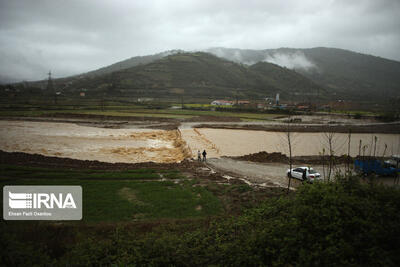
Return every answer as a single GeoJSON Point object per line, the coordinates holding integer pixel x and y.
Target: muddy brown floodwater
{"type": "Point", "coordinates": [92, 143]}
{"type": "Point", "coordinates": [166, 146]}
{"type": "Point", "coordinates": [227, 142]}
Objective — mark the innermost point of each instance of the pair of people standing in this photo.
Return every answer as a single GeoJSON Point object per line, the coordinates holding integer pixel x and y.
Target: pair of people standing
{"type": "Point", "coordinates": [199, 155]}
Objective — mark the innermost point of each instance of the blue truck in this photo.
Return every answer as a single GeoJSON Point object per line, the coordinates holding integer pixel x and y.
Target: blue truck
{"type": "Point", "coordinates": [368, 166]}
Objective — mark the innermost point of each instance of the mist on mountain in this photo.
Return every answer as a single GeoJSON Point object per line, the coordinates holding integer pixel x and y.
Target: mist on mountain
{"type": "Point", "coordinates": [294, 60]}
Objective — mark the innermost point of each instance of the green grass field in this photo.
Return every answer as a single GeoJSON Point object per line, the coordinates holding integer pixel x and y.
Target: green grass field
{"type": "Point", "coordinates": [127, 111]}
{"type": "Point", "coordinates": [132, 195]}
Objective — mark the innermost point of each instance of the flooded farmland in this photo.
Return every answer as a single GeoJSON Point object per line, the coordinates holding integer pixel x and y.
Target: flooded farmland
{"type": "Point", "coordinates": [91, 143]}
{"type": "Point", "coordinates": [226, 142]}
{"type": "Point", "coordinates": [142, 145]}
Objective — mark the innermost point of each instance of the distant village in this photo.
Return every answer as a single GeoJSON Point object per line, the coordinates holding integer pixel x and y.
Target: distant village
{"type": "Point", "coordinates": [268, 103]}
{"type": "Point", "coordinates": [275, 104]}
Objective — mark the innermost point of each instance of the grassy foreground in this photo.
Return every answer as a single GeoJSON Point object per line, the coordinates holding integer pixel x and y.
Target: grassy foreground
{"type": "Point", "coordinates": [345, 223]}
{"type": "Point", "coordinates": [131, 195]}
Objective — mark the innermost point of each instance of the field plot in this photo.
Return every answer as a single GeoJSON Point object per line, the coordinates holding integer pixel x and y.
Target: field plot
{"type": "Point", "coordinates": [131, 195]}
{"type": "Point", "coordinates": [166, 146]}
{"type": "Point", "coordinates": [228, 142]}
{"type": "Point", "coordinates": [91, 143]}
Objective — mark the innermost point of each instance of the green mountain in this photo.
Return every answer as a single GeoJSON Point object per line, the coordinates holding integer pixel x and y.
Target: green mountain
{"type": "Point", "coordinates": [285, 79]}
{"type": "Point", "coordinates": [341, 72]}
{"type": "Point", "coordinates": [198, 75]}
{"type": "Point", "coordinates": [131, 62]}
{"type": "Point", "coordinates": [329, 72]}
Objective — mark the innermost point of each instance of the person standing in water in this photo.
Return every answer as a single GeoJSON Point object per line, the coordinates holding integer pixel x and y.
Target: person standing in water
{"type": "Point", "coordinates": [198, 156]}
{"type": "Point", "coordinates": [204, 155]}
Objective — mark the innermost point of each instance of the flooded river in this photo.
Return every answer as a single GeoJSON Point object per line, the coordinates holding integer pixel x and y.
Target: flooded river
{"type": "Point", "coordinates": [91, 143]}
{"type": "Point", "coordinates": [226, 142]}
{"type": "Point", "coordinates": [139, 145]}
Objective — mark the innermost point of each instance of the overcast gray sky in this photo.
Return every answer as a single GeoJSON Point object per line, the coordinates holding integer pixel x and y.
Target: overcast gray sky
{"type": "Point", "coordinates": [74, 36]}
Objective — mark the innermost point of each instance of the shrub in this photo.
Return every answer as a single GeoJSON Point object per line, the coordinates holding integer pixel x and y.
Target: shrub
{"type": "Point", "coordinates": [335, 224]}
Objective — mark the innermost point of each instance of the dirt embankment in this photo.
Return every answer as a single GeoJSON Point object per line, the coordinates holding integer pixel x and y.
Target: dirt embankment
{"type": "Point", "coordinates": [265, 157]}
{"type": "Point", "coordinates": [36, 160]}
{"type": "Point", "coordinates": [111, 118]}
{"type": "Point", "coordinates": [390, 128]}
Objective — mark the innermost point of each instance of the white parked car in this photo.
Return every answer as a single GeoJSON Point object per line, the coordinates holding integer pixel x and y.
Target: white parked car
{"type": "Point", "coordinates": [311, 174]}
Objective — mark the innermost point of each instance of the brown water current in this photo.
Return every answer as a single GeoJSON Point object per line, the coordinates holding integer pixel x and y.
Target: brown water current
{"type": "Point", "coordinates": [91, 143]}
{"type": "Point", "coordinates": [226, 142]}
{"type": "Point", "coordinates": [139, 145]}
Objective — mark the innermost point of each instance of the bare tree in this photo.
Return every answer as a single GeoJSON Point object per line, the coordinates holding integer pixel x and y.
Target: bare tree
{"type": "Point", "coordinates": [376, 140]}
{"type": "Point", "coordinates": [372, 143]}
{"type": "Point", "coordinates": [398, 146]}
{"type": "Point", "coordinates": [288, 135]}
{"type": "Point", "coordinates": [364, 148]}
{"type": "Point", "coordinates": [384, 151]}
{"type": "Point", "coordinates": [323, 162]}
{"type": "Point", "coordinates": [329, 139]}
{"type": "Point", "coordinates": [348, 152]}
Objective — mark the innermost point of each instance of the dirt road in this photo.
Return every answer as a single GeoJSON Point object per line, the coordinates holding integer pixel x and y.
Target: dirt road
{"type": "Point", "coordinates": [274, 174]}
{"type": "Point", "coordinates": [262, 174]}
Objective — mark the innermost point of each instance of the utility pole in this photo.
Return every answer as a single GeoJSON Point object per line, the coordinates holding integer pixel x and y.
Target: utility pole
{"type": "Point", "coordinates": [50, 88]}
{"type": "Point", "coordinates": [182, 102]}
{"type": "Point", "coordinates": [237, 97]}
